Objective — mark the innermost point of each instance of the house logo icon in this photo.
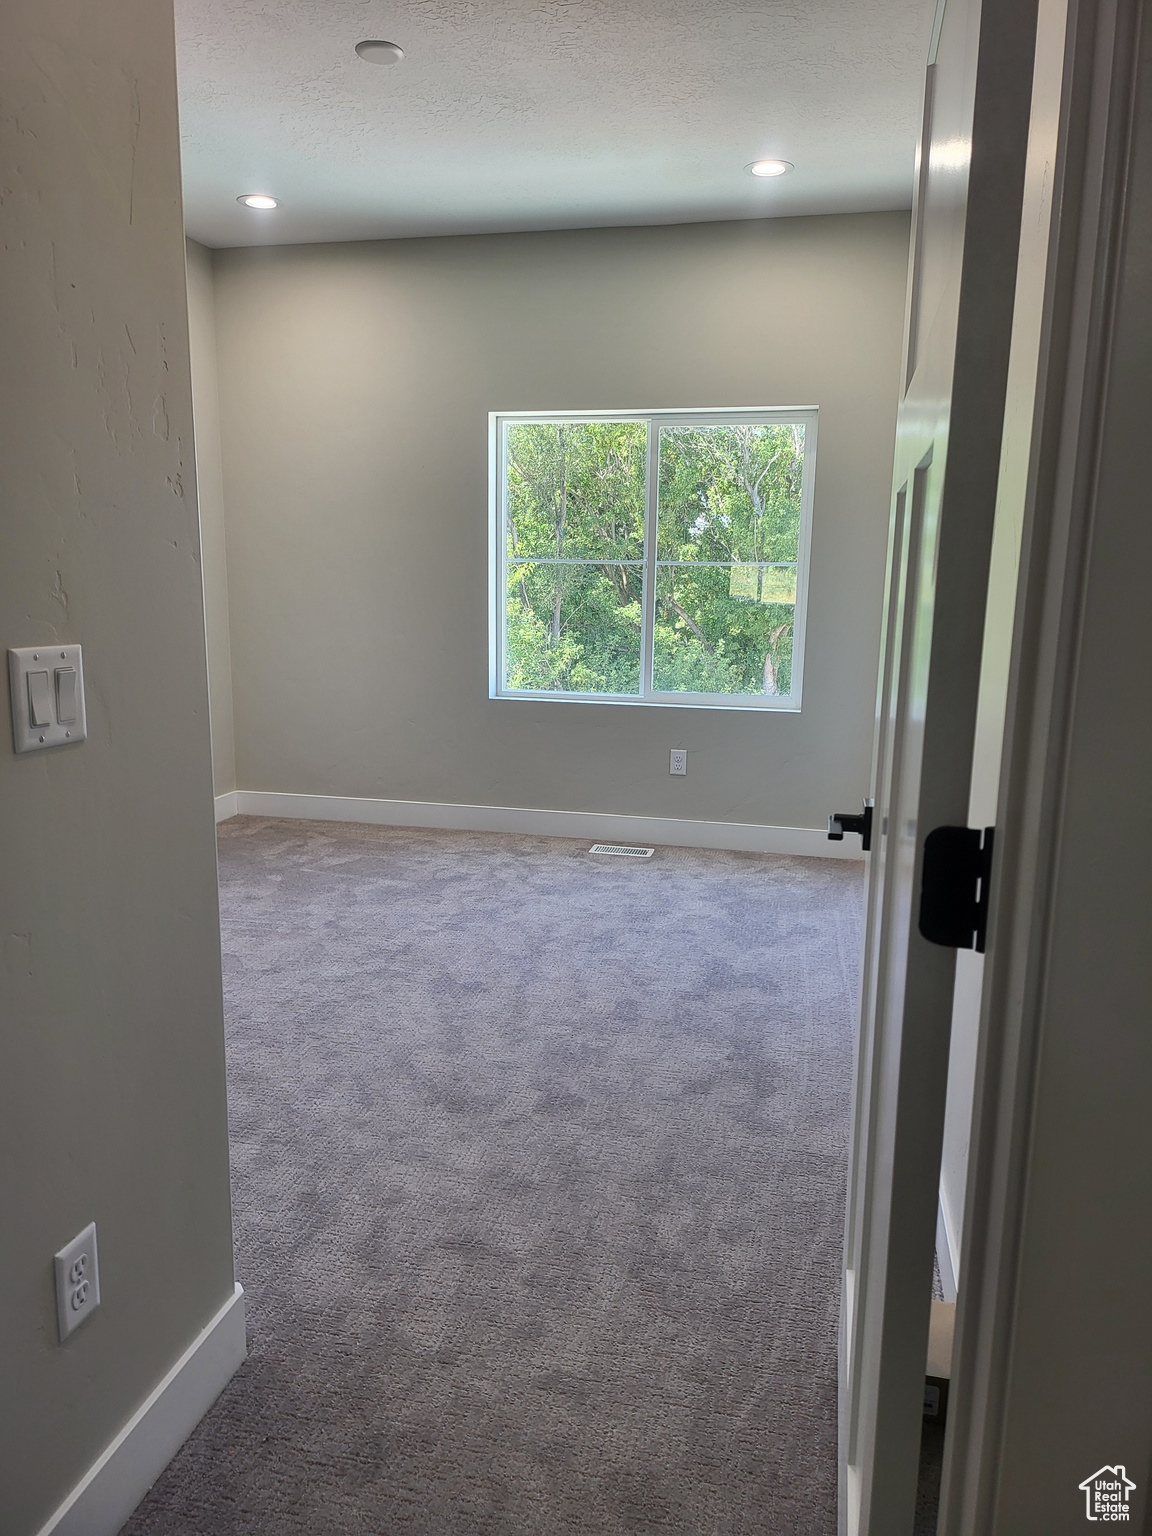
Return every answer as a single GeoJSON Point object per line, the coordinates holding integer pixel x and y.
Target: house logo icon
{"type": "Point", "coordinates": [1106, 1494]}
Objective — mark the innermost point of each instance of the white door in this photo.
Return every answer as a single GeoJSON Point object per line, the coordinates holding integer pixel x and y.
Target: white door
{"type": "Point", "coordinates": [966, 228]}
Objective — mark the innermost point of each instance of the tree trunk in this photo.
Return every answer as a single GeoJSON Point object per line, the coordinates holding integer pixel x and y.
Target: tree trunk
{"type": "Point", "coordinates": [770, 671]}
{"type": "Point", "coordinates": [691, 623]}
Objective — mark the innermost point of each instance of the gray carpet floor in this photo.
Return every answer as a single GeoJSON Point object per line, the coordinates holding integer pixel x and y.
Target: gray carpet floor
{"type": "Point", "coordinates": [539, 1163]}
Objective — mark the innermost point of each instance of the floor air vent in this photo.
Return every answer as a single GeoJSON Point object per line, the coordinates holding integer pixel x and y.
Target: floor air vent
{"type": "Point", "coordinates": [627, 853]}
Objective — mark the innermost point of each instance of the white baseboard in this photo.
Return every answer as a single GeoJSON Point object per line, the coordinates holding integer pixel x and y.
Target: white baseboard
{"type": "Point", "coordinates": [947, 1253]}
{"type": "Point", "coordinates": [226, 805]}
{"type": "Point", "coordinates": [809, 842]}
{"type": "Point", "coordinates": [112, 1487]}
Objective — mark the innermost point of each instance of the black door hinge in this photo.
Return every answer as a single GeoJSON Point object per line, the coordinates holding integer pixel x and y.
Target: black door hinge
{"type": "Point", "coordinates": [954, 886]}
{"type": "Point", "coordinates": [841, 821]}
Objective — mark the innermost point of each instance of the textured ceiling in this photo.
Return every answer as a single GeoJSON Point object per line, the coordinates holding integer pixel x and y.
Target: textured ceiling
{"type": "Point", "coordinates": [541, 114]}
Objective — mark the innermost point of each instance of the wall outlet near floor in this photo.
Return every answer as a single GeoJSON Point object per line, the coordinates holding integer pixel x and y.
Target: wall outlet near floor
{"type": "Point", "coordinates": [77, 1281]}
{"type": "Point", "coordinates": [678, 760]}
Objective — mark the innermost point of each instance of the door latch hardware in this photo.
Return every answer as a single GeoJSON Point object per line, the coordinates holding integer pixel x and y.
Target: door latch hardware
{"type": "Point", "coordinates": [954, 887]}
{"type": "Point", "coordinates": [843, 821]}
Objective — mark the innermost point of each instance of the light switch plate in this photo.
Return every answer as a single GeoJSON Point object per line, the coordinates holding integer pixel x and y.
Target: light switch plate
{"type": "Point", "coordinates": [64, 694]}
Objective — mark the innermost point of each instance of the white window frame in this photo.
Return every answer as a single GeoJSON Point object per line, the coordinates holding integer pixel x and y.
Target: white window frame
{"type": "Point", "coordinates": [498, 554]}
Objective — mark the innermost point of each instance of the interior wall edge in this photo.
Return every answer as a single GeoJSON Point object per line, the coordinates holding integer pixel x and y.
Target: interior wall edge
{"type": "Point", "coordinates": [113, 1106]}
{"type": "Point", "coordinates": [210, 485]}
{"type": "Point", "coordinates": [947, 1248]}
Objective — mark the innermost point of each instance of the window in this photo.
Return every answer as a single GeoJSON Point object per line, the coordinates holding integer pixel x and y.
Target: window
{"type": "Point", "coordinates": [651, 558]}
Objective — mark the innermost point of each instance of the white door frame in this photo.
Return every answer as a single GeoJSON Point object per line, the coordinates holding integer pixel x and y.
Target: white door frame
{"type": "Point", "coordinates": [1088, 166]}
{"type": "Point", "coordinates": [945, 483]}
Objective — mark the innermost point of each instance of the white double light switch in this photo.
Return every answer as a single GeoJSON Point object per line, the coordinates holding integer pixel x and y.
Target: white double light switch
{"type": "Point", "coordinates": [47, 687]}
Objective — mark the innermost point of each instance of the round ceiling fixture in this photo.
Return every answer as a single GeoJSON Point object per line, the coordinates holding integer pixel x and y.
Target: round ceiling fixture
{"type": "Point", "coordinates": [257, 200]}
{"type": "Point", "coordinates": [770, 167]}
{"type": "Point", "coordinates": [377, 51]}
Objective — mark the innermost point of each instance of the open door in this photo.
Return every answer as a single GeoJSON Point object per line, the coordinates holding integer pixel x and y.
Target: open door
{"type": "Point", "coordinates": [966, 229]}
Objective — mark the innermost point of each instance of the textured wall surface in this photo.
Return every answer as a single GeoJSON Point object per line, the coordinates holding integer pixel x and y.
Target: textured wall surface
{"type": "Point", "coordinates": [112, 1077]}
{"type": "Point", "coordinates": [355, 387]}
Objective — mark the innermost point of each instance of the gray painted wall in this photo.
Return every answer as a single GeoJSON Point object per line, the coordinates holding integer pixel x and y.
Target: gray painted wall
{"type": "Point", "coordinates": [355, 386]}
{"type": "Point", "coordinates": [112, 1084]}
{"type": "Point", "coordinates": [210, 490]}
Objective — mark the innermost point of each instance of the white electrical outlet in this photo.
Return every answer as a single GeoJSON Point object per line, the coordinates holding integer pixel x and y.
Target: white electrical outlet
{"type": "Point", "coordinates": [678, 760]}
{"type": "Point", "coordinates": [77, 1281]}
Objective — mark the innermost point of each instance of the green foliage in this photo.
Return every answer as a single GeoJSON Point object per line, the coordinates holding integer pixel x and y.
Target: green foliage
{"type": "Point", "coordinates": [730, 493]}
{"type": "Point", "coordinates": [574, 628]}
{"type": "Point", "coordinates": [575, 490]}
{"type": "Point", "coordinates": [729, 521]}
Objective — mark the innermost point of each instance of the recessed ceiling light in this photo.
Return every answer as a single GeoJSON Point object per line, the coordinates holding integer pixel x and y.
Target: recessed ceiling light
{"type": "Point", "coordinates": [257, 200]}
{"type": "Point", "coordinates": [378, 52]}
{"type": "Point", "coordinates": [770, 167]}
